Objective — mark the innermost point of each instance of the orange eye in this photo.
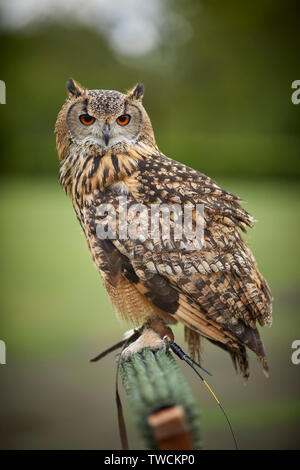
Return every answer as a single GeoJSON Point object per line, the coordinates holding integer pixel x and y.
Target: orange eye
{"type": "Point", "coordinates": [86, 119]}
{"type": "Point", "coordinates": [123, 120]}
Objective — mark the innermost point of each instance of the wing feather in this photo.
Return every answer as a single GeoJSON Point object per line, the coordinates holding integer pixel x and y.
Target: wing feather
{"type": "Point", "coordinates": [216, 291]}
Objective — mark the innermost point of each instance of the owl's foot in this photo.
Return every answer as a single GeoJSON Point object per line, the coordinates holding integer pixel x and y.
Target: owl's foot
{"type": "Point", "coordinates": [154, 336]}
{"type": "Point", "coordinates": [148, 339]}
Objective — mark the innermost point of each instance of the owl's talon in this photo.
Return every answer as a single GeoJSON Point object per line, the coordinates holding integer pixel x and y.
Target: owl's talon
{"type": "Point", "coordinates": [148, 339]}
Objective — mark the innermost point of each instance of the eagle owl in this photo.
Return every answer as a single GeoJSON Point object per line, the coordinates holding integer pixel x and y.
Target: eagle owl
{"type": "Point", "coordinates": [108, 152]}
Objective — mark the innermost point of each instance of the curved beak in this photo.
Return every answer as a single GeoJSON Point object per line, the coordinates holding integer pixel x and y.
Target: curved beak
{"type": "Point", "coordinates": [106, 133]}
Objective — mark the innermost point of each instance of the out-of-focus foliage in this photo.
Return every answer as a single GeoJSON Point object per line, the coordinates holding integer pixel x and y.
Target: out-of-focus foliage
{"type": "Point", "coordinates": [219, 101]}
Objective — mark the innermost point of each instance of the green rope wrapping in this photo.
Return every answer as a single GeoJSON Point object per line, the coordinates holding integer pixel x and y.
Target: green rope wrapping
{"type": "Point", "coordinates": [152, 380]}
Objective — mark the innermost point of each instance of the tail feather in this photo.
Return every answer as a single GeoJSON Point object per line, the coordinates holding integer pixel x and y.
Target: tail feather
{"type": "Point", "coordinates": [239, 356]}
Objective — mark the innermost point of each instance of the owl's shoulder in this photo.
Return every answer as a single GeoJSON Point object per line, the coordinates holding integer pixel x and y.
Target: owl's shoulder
{"type": "Point", "coordinates": [163, 180]}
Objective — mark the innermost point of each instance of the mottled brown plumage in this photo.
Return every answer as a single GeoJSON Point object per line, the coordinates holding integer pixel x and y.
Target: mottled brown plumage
{"type": "Point", "coordinates": [216, 291]}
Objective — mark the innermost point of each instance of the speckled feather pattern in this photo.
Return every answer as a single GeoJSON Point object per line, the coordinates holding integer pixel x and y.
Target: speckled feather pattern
{"type": "Point", "coordinates": [217, 291]}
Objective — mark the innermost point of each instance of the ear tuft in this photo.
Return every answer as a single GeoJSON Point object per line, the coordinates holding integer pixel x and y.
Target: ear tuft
{"type": "Point", "coordinates": [74, 88]}
{"type": "Point", "coordinates": [137, 92]}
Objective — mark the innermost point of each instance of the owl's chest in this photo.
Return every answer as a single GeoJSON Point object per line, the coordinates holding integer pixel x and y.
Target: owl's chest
{"type": "Point", "coordinates": [103, 214]}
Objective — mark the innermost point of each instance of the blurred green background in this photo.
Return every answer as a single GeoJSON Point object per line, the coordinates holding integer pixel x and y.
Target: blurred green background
{"type": "Point", "coordinates": [218, 90]}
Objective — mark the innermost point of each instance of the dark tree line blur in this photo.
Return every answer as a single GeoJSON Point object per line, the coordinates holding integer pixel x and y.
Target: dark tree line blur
{"type": "Point", "coordinates": [219, 101]}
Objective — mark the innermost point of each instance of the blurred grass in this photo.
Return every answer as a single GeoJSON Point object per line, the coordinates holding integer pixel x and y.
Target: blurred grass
{"type": "Point", "coordinates": [267, 414]}
{"type": "Point", "coordinates": [47, 272]}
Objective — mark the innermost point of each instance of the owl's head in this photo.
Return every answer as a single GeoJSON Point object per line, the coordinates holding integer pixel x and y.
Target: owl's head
{"type": "Point", "coordinates": [109, 120]}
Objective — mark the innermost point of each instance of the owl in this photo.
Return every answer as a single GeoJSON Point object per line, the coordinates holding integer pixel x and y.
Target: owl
{"type": "Point", "coordinates": [115, 174]}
